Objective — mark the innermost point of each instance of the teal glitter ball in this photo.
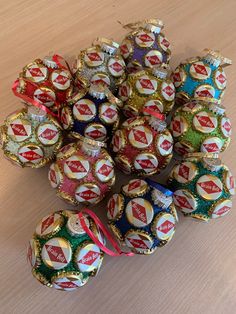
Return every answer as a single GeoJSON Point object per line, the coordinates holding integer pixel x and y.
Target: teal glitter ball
{"type": "Point", "coordinates": [203, 186]}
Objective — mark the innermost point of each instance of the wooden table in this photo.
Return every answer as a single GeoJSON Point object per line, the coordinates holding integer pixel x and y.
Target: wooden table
{"type": "Point", "coordinates": [196, 272]}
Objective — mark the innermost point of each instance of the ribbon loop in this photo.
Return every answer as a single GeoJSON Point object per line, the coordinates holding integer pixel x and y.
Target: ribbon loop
{"type": "Point", "coordinates": [106, 232]}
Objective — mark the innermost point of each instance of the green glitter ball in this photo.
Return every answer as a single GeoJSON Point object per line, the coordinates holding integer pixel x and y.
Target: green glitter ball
{"type": "Point", "coordinates": [61, 254]}
{"type": "Point", "coordinates": [199, 126]}
{"type": "Point", "coordinates": [203, 186]}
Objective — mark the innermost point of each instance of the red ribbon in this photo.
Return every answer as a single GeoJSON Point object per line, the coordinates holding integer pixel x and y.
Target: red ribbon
{"type": "Point", "coordinates": [57, 58]}
{"type": "Point", "coordinates": [105, 231]}
{"type": "Point", "coordinates": [157, 115]}
{"type": "Point", "coordinates": [33, 101]}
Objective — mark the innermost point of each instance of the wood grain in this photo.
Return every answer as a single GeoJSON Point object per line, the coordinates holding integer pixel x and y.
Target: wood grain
{"type": "Point", "coordinates": [196, 272]}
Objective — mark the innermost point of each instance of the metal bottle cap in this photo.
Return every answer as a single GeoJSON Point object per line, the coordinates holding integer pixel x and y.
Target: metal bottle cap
{"type": "Point", "coordinates": [106, 45]}
{"type": "Point", "coordinates": [49, 62]}
{"type": "Point", "coordinates": [153, 25]}
{"type": "Point", "coordinates": [97, 91]}
{"type": "Point", "coordinates": [36, 113]}
{"type": "Point", "coordinates": [217, 109]}
{"type": "Point", "coordinates": [160, 71]}
{"type": "Point", "coordinates": [215, 58]}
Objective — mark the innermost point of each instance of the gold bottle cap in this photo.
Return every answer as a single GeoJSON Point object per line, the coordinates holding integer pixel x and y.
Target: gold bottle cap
{"type": "Point", "coordinates": [94, 57]}
{"type": "Point", "coordinates": [139, 241]}
{"type": "Point", "coordinates": [88, 257]}
{"type": "Point", "coordinates": [107, 45]}
{"type": "Point", "coordinates": [212, 144]}
{"type": "Point", "coordinates": [100, 78]}
{"type": "Point", "coordinates": [139, 212]}
{"type": "Point", "coordinates": [185, 172]}
{"type": "Point", "coordinates": [163, 226]}
{"type": "Point", "coordinates": [146, 85]}
{"type": "Point", "coordinates": [168, 90]}
{"type": "Point", "coordinates": [226, 127]}
{"type": "Point", "coordinates": [221, 208]}
{"type": "Point", "coordinates": [192, 106]}
{"type": "Point", "coordinates": [183, 148]}
{"type": "Point", "coordinates": [144, 39]}
{"type": "Point", "coordinates": [67, 151]}
{"type": "Point", "coordinates": [229, 182]}
{"type": "Point", "coordinates": [178, 126]}
{"type": "Point", "coordinates": [74, 225]}
{"type": "Point", "coordinates": [212, 164]}
{"type": "Point", "coordinates": [45, 96]}
{"type": "Point", "coordinates": [164, 144]}
{"type": "Point", "coordinates": [153, 25]}
{"type": "Point", "coordinates": [49, 225]}
{"type": "Point", "coordinates": [220, 79]}
{"type": "Point", "coordinates": [164, 44]}
{"type": "Point", "coordinates": [30, 153]}
{"type": "Point", "coordinates": [146, 162]}
{"type": "Point", "coordinates": [95, 131]}
{"type": "Point", "coordinates": [56, 253]}
{"type": "Point", "coordinates": [209, 187]}
{"type": "Point", "coordinates": [152, 59]}
{"type": "Point", "coordinates": [36, 73]}
{"type": "Point", "coordinates": [48, 134]}
{"type": "Point", "coordinates": [124, 91]}
{"type": "Point", "coordinates": [135, 187]}
{"type": "Point", "coordinates": [33, 255]}
{"type": "Point", "coordinates": [123, 163]}
{"type": "Point", "coordinates": [19, 129]}
{"type": "Point", "coordinates": [66, 118]}
{"type": "Point", "coordinates": [126, 48]}
{"type": "Point", "coordinates": [61, 79]}
{"type": "Point", "coordinates": [200, 71]}
{"type": "Point", "coordinates": [205, 92]}
{"type": "Point", "coordinates": [88, 193]}
{"type": "Point", "coordinates": [54, 175]}
{"type": "Point", "coordinates": [205, 122]}
{"type": "Point", "coordinates": [179, 76]}
{"type": "Point", "coordinates": [76, 167]}
{"type": "Point", "coordinates": [201, 155]}
{"type": "Point", "coordinates": [104, 170]}
{"type": "Point", "coordinates": [115, 207]}
{"type": "Point", "coordinates": [154, 105]}
{"type": "Point", "coordinates": [84, 110]}
{"type": "Point", "coordinates": [108, 113]}
{"type": "Point", "coordinates": [116, 66]}
{"type": "Point", "coordinates": [215, 57]}
{"type": "Point", "coordinates": [140, 137]}
{"type": "Point", "coordinates": [185, 201]}
{"type": "Point", "coordinates": [68, 281]}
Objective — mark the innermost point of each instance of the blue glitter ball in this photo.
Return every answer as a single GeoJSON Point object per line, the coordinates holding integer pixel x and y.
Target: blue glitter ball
{"type": "Point", "coordinates": [201, 78]}
{"type": "Point", "coordinates": [142, 216]}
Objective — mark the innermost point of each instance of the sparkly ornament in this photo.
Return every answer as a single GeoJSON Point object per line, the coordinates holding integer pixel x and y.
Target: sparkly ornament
{"type": "Point", "coordinates": [198, 126]}
{"type": "Point", "coordinates": [142, 216]}
{"type": "Point", "coordinates": [145, 46]}
{"type": "Point", "coordinates": [147, 89]}
{"type": "Point", "coordinates": [61, 254]}
{"type": "Point", "coordinates": [100, 64]}
{"type": "Point", "coordinates": [203, 186]}
{"type": "Point", "coordinates": [94, 115]}
{"type": "Point", "coordinates": [201, 78]}
{"type": "Point", "coordinates": [30, 137]}
{"type": "Point", "coordinates": [83, 172]}
{"type": "Point", "coordinates": [143, 145]}
{"type": "Point", "coordinates": [46, 81]}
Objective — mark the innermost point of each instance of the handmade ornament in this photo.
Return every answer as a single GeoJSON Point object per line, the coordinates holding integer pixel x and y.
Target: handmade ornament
{"type": "Point", "coordinates": [143, 145]}
{"type": "Point", "coordinates": [203, 186]}
{"type": "Point", "coordinates": [201, 78]}
{"type": "Point", "coordinates": [147, 89]}
{"type": "Point", "coordinates": [199, 126]}
{"type": "Point", "coordinates": [30, 137]}
{"type": "Point", "coordinates": [61, 254]}
{"type": "Point", "coordinates": [145, 46]}
{"type": "Point", "coordinates": [142, 216]}
{"type": "Point", "coordinates": [94, 115]}
{"type": "Point", "coordinates": [101, 63]}
{"type": "Point", "coordinates": [47, 82]}
{"type": "Point", "coordinates": [83, 172]}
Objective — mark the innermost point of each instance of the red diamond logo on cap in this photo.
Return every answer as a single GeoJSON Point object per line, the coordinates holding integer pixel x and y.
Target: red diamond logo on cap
{"type": "Point", "coordinates": [139, 212]}
{"type": "Point", "coordinates": [222, 210]}
{"type": "Point", "coordinates": [204, 93]}
{"type": "Point", "coordinates": [64, 118]}
{"type": "Point", "coordinates": [227, 126]}
{"type": "Point", "coordinates": [201, 69]}
{"type": "Point", "coordinates": [205, 121]}
{"type": "Point", "coordinates": [123, 91]}
{"type": "Point", "coordinates": [75, 166]}
{"type": "Point", "coordinates": [145, 38]}
{"type": "Point", "coordinates": [140, 136]}
{"type": "Point", "coordinates": [36, 72]}
{"type": "Point", "coordinates": [221, 78]}
{"type": "Point", "coordinates": [111, 206]}
{"type": "Point", "coordinates": [166, 145]}
{"type": "Point", "coordinates": [145, 163]}
{"type": "Point", "coordinates": [211, 148]}
{"type": "Point", "coordinates": [66, 284]}
{"type": "Point", "coordinates": [177, 77]}
{"type": "Point", "coordinates": [84, 109]}
{"type": "Point", "coordinates": [94, 56]}
{"type": "Point", "coordinates": [184, 171]}
{"type": "Point", "coordinates": [88, 195]}
{"type": "Point", "coordinates": [154, 60]}
{"type": "Point", "coordinates": [165, 42]}
{"type": "Point", "coordinates": [154, 108]}
{"type": "Point", "coordinates": [53, 176]}
{"type": "Point", "coordinates": [168, 90]}
{"type": "Point", "coordinates": [166, 226]}
{"type": "Point", "coordinates": [176, 126]}
{"type": "Point", "coordinates": [117, 141]}
{"type": "Point", "coordinates": [105, 170]}
{"type": "Point", "coordinates": [61, 79]}
{"type": "Point", "coordinates": [232, 182]}
{"type": "Point", "coordinates": [44, 97]}
{"type": "Point", "coordinates": [183, 202]}
{"type": "Point", "coordinates": [109, 113]}
{"type": "Point", "coordinates": [47, 222]}
{"type": "Point", "coordinates": [55, 253]}
{"type": "Point", "coordinates": [134, 185]}
{"type": "Point", "coordinates": [95, 134]}
{"type": "Point", "coordinates": [89, 258]}
{"type": "Point", "coordinates": [145, 83]}
{"type": "Point", "coordinates": [100, 81]}
{"type": "Point", "coordinates": [116, 66]}
{"type": "Point", "coordinates": [124, 49]}
{"type": "Point", "coordinates": [30, 155]}
{"type": "Point", "coordinates": [18, 129]}
{"type": "Point", "coordinates": [48, 134]}
{"type": "Point", "coordinates": [138, 243]}
{"type": "Point", "coordinates": [209, 187]}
